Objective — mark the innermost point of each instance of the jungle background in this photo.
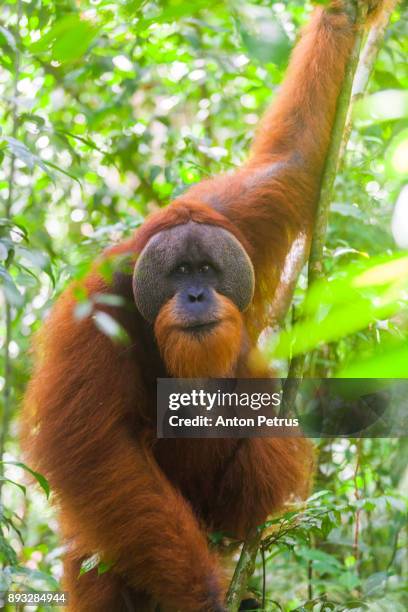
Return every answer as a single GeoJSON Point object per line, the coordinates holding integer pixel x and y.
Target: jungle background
{"type": "Point", "coordinates": [111, 109]}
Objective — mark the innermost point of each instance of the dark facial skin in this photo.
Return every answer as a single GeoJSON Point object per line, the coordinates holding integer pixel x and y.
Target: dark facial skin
{"type": "Point", "coordinates": [194, 281]}
{"type": "Point", "coordinates": [193, 262]}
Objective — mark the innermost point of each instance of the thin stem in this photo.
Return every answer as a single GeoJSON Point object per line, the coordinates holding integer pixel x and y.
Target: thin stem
{"type": "Point", "coordinates": [398, 530]}
{"type": "Point", "coordinates": [292, 382]}
{"type": "Point", "coordinates": [309, 579]}
{"type": "Point", "coordinates": [244, 569]}
{"type": "Point", "coordinates": [263, 577]}
{"type": "Point", "coordinates": [356, 542]}
{"type": "Point", "coordinates": [310, 593]}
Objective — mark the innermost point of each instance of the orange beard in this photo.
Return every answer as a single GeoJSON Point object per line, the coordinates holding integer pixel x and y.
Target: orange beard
{"type": "Point", "coordinates": [210, 354]}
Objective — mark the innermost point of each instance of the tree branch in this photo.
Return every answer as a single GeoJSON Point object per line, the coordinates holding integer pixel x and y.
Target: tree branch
{"type": "Point", "coordinates": [366, 63]}
{"type": "Point", "coordinates": [315, 270]}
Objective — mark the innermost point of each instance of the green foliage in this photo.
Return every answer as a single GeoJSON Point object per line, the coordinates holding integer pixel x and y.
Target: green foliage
{"type": "Point", "coordinates": [111, 109]}
{"type": "Point", "coordinates": [343, 546]}
{"type": "Point", "coordinates": [351, 300]}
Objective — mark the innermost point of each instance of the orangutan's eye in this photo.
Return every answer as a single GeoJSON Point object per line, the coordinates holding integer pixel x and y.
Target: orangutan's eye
{"type": "Point", "coordinates": [204, 269]}
{"type": "Point", "coordinates": [183, 269]}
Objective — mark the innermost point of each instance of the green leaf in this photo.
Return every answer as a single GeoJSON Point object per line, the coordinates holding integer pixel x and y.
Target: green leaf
{"type": "Point", "coordinates": [375, 583]}
{"type": "Point", "coordinates": [382, 106]}
{"type": "Point", "coordinates": [36, 258]}
{"type": "Point", "coordinates": [386, 80]}
{"type": "Point", "coordinates": [262, 34]}
{"type": "Point", "coordinates": [4, 251]}
{"type": "Point", "coordinates": [314, 554]}
{"type": "Point", "coordinates": [109, 299]}
{"type": "Point", "coordinates": [104, 567]}
{"type": "Point", "coordinates": [13, 482]}
{"type": "Point", "coordinates": [392, 363]}
{"type": "Point", "coordinates": [12, 294]}
{"type": "Point", "coordinates": [74, 44]}
{"type": "Point", "coordinates": [110, 327]}
{"type": "Point", "coordinates": [69, 174]}
{"type": "Point", "coordinates": [9, 37]}
{"type": "Point", "coordinates": [396, 158]}
{"type": "Point", "coordinates": [348, 580]}
{"type": "Point", "coordinates": [89, 564]}
{"type": "Point", "coordinates": [42, 481]}
{"type": "Point", "coordinates": [360, 295]}
{"type": "Point", "coordinates": [31, 118]}
{"type": "Point", "coordinates": [7, 553]}
{"type": "Point", "coordinates": [87, 141]}
{"type": "Point", "coordinates": [83, 309]}
{"type": "Point", "coordinates": [68, 39]}
{"type": "Point", "coordinates": [20, 150]}
{"type": "Point", "coordinates": [13, 224]}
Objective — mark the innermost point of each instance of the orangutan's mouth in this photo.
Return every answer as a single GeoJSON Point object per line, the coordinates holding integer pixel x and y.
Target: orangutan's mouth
{"type": "Point", "coordinates": [198, 328]}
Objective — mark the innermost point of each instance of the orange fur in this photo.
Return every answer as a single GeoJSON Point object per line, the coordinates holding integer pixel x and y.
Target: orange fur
{"type": "Point", "coordinates": [89, 412]}
{"type": "Point", "coordinates": [212, 354]}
